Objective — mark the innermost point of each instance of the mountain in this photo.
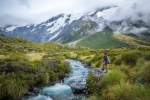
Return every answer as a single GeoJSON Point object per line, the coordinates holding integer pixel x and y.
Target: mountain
{"type": "Point", "coordinates": [45, 31]}
{"type": "Point", "coordinates": [66, 28]}
{"type": "Point", "coordinates": [107, 39]}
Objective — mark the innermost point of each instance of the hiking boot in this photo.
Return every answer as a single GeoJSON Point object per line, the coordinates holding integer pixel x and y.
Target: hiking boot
{"type": "Point", "coordinates": [102, 69]}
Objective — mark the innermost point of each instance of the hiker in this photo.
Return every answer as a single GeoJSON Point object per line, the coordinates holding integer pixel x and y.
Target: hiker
{"type": "Point", "coordinates": [105, 61]}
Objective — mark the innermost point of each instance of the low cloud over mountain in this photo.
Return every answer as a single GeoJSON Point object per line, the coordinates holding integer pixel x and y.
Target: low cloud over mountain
{"type": "Point", "coordinates": [36, 11]}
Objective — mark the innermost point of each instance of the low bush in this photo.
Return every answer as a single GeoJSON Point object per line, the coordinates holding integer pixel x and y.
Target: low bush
{"type": "Point", "coordinates": [53, 76]}
{"type": "Point", "coordinates": [145, 72]}
{"type": "Point", "coordinates": [147, 57]}
{"type": "Point", "coordinates": [14, 87]}
{"type": "Point", "coordinates": [112, 78]}
{"type": "Point", "coordinates": [126, 91]}
{"type": "Point", "coordinates": [92, 83]}
{"type": "Point", "coordinates": [131, 58]}
{"type": "Point", "coordinates": [118, 61]}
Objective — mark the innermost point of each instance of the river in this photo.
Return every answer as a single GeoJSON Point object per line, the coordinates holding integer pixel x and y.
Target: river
{"type": "Point", "coordinates": [63, 90]}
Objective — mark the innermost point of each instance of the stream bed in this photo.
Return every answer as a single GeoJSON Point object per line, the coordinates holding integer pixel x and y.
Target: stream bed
{"type": "Point", "coordinates": [72, 87]}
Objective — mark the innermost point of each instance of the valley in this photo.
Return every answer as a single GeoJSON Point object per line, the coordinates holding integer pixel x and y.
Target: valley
{"type": "Point", "coordinates": [29, 64]}
{"type": "Point", "coordinates": [61, 57]}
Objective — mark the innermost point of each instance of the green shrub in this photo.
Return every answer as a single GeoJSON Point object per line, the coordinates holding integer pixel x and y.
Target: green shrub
{"type": "Point", "coordinates": [125, 69]}
{"type": "Point", "coordinates": [20, 67]}
{"type": "Point", "coordinates": [53, 76]}
{"type": "Point", "coordinates": [98, 64]}
{"type": "Point", "coordinates": [2, 94]}
{"type": "Point", "coordinates": [92, 83]}
{"type": "Point", "coordinates": [147, 57]}
{"type": "Point", "coordinates": [67, 66]}
{"type": "Point", "coordinates": [126, 91]}
{"type": "Point", "coordinates": [145, 72]}
{"type": "Point", "coordinates": [2, 62]}
{"type": "Point", "coordinates": [14, 86]}
{"type": "Point", "coordinates": [94, 97]}
{"type": "Point", "coordinates": [112, 78]}
{"type": "Point", "coordinates": [118, 61]}
{"type": "Point", "coordinates": [131, 58]}
{"type": "Point", "coordinates": [43, 78]}
{"type": "Point", "coordinates": [16, 57]}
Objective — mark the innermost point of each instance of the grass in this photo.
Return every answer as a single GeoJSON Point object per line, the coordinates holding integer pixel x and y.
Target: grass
{"type": "Point", "coordinates": [108, 39]}
{"type": "Point", "coordinates": [132, 40]}
{"type": "Point", "coordinates": [29, 64]}
{"type": "Point", "coordinates": [112, 78]}
{"type": "Point", "coordinates": [35, 56]}
{"type": "Point", "coordinates": [2, 56]}
{"type": "Point", "coordinates": [104, 39]}
{"type": "Point", "coordinates": [127, 91]}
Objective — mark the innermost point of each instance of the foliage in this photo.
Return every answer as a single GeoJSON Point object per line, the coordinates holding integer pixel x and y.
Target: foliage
{"type": "Point", "coordinates": [112, 78]}
{"type": "Point", "coordinates": [127, 91]}
{"type": "Point", "coordinates": [103, 40]}
{"type": "Point", "coordinates": [92, 83]}
{"type": "Point", "coordinates": [145, 72]}
{"type": "Point", "coordinates": [131, 58]}
{"type": "Point", "coordinates": [128, 71]}
{"type": "Point", "coordinates": [14, 86]}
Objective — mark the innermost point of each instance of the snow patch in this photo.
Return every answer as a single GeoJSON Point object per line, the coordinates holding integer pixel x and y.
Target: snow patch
{"type": "Point", "coordinates": [57, 24]}
{"type": "Point", "coordinates": [54, 35]}
{"type": "Point", "coordinates": [49, 24]}
{"type": "Point", "coordinates": [11, 28]}
{"type": "Point", "coordinates": [75, 17]}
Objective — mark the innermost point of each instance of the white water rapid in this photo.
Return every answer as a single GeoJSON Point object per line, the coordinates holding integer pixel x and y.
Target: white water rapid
{"type": "Point", "coordinates": [62, 91]}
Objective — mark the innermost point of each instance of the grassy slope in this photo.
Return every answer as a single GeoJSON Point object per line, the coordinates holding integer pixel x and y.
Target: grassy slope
{"type": "Point", "coordinates": [107, 39]}
{"type": "Point", "coordinates": [29, 64]}
{"type": "Point", "coordinates": [104, 39]}
{"type": "Point", "coordinates": [131, 62]}
{"type": "Point", "coordinates": [132, 40]}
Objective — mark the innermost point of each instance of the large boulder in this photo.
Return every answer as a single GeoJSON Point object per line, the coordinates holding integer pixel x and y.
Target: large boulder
{"type": "Point", "coordinates": [97, 72]}
{"type": "Point", "coordinates": [77, 87]}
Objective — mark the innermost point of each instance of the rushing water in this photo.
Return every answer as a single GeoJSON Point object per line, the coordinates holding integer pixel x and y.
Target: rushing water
{"type": "Point", "coordinates": [79, 73]}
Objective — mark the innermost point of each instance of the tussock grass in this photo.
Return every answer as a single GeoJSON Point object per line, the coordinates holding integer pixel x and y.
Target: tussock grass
{"type": "Point", "coordinates": [35, 56]}
{"type": "Point", "coordinates": [14, 86]}
{"type": "Point", "coordinates": [112, 78]}
{"type": "Point", "coordinates": [2, 56]}
{"type": "Point", "coordinates": [145, 72]}
{"type": "Point", "coordinates": [127, 91]}
{"type": "Point", "coordinates": [131, 40]}
{"type": "Point", "coordinates": [31, 64]}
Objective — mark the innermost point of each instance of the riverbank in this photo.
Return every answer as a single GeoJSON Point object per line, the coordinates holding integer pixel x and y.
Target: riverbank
{"type": "Point", "coordinates": [63, 91]}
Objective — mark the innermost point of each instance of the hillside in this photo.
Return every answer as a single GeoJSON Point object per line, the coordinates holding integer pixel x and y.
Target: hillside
{"type": "Point", "coordinates": [108, 39]}
{"type": "Point", "coordinates": [29, 65]}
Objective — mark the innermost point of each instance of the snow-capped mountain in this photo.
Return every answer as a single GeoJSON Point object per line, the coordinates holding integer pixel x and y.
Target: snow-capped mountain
{"type": "Point", "coordinates": [71, 27]}
{"type": "Point", "coordinates": [45, 31]}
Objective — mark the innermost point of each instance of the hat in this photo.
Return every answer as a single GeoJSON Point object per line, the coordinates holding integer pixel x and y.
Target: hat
{"type": "Point", "coordinates": [105, 52]}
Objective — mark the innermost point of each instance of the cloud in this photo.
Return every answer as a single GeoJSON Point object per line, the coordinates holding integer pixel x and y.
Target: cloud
{"type": "Point", "coordinates": [24, 3]}
{"type": "Point", "coordinates": [35, 11]}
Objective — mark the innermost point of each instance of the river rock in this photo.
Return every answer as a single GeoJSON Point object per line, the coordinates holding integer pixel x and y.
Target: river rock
{"type": "Point", "coordinates": [97, 72]}
{"type": "Point", "coordinates": [66, 96]}
{"type": "Point", "coordinates": [77, 86]}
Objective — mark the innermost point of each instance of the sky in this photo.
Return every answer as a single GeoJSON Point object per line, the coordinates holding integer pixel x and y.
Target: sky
{"type": "Point", "coordinates": [21, 12]}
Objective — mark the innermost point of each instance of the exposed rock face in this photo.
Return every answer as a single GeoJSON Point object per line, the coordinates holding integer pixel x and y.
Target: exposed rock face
{"type": "Point", "coordinates": [97, 72]}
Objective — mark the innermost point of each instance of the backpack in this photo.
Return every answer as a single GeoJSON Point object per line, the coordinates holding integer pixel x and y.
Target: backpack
{"type": "Point", "coordinates": [108, 60]}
